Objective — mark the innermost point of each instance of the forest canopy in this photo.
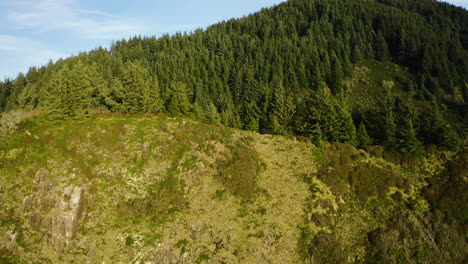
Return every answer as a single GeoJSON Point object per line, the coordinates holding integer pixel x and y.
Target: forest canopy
{"type": "Point", "coordinates": [282, 70]}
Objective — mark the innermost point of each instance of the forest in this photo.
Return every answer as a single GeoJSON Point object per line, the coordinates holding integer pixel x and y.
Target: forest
{"type": "Point", "coordinates": [352, 114]}
{"type": "Point", "coordinates": [278, 71]}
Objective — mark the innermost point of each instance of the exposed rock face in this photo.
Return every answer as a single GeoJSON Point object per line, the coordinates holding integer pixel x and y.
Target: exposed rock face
{"type": "Point", "coordinates": [71, 208]}
{"type": "Point", "coordinates": [55, 209]}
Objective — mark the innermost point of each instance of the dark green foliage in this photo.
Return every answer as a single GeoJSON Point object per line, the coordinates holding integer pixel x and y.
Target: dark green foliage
{"type": "Point", "coordinates": [338, 161]}
{"type": "Point", "coordinates": [7, 257]}
{"type": "Point", "coordinates": [178, 99]}
{"type": "Point", "coordinates": [263, 72]}
{"type": "Point", "coordinates": [52, 95]}
{"type": "Point", "coordinates": [281, 109]}
{"type": "Point", "coordinates": [369, 181]}
{"type": "Point", "coordinates": [66, 94]}
{"type": "Point", "coordinates": [406, 135]}
{"type": "Point", "coordinates": [251, 117]}
{"type": "Point", "coordinates": [321, 117]}
{"type": "Point", "coordinates": [129, 241]}
{"type": "Point", "coordinates": [380, 47]}
{"type": "Point", "coordinates": [326, 248]}
{"type": "Point", "coordinates": [77, 95]}
{"type": "Point", "coordinates": [363, 138]}
{"type": "Point", "coordinates": [140, 93]}
{"type": "Point", "coordinates": [434, 129]}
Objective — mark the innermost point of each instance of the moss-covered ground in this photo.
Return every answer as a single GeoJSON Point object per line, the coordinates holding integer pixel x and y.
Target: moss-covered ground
{"type": "Point", "coordinates": [127, 189]}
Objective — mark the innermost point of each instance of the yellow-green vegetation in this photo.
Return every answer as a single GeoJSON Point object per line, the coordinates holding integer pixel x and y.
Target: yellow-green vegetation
{"type": "Point", "coordinates": [120, 189]}
{"type": "Point", "coordinates": [137, 189]}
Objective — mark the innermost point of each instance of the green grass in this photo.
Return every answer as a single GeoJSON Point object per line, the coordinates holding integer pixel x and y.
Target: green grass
{"type": "Point", "coordinates": [148, 175]}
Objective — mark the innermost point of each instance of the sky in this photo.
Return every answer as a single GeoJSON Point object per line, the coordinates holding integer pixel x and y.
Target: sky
{"type": "Point", "coordinates": [32, 32]}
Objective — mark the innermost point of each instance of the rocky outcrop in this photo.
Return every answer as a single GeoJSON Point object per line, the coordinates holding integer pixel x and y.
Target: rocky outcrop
{"type": "Point", "coordinates": [70, 211]}
{"type": "Point", "coordinates": [56, 209]}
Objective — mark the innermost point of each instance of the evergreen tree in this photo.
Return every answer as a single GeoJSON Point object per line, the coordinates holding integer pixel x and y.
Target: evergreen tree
{"type": "Point", "coordinates": [135, 84]}
{"type": "Point", "coordinates": [279, 110]}
{"type": "Point", "coordinates": [246, 75]}
{"type": "Point", "coordinates": [363, 138]}
{"type": "Point", "coordinates": [388, 123]}
{"type": "Point", "coordinates": [152, 102]}
{"type": "Point", "coordinates": [251, 117]}
{"type": "Point", "coordinates": [211, 115]}
{"type": "Point", "coordinates": [178, 99]}
{"type": "Point", "coordinates": [53, 93]}
{"type": "Point", "coordinates": [306, 121]}
{"type": "Point", "coordinates": [99, 87]}
{"type": "Point", "coordinates": [406, 134]}
{"type": "Point", "coordinates": [78, 92]}
{"type": "Point", "coordinates": [434, 129]}
{"type": "Point", "coordinates": [380, 47]}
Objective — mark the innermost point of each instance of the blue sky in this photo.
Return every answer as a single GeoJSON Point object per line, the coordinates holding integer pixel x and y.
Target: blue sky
{"type": "Point", "coordinates": [34, 31]}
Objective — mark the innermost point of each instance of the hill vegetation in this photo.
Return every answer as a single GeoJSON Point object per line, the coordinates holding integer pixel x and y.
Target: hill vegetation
{"type": "Point", "coordinates": [314, 131]}
{"type": "Point", "coordinates": [282, 70]}
{"type": "Point", "coordinates": [171, 190]}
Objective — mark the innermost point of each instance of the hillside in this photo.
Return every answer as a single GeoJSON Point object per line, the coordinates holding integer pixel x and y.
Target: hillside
{"type": "Point", "coordinates": [276, 72]}
{"type": "Point", "coordinates": [129, 189]}
{"type": "Point", "coordinates": [314, 131]}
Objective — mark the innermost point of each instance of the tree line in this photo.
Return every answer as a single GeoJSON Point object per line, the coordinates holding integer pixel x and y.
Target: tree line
{"type": "Point", "coordinates": [278, 71]}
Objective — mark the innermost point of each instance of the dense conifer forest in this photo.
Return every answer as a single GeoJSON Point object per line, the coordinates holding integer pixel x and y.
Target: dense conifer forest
{"type": "Point", "coordinates": [379, 87]}
{"type": "Point", "coordinates": [281, 71]}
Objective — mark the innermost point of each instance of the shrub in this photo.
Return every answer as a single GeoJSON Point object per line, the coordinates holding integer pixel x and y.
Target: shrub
{"type": "Point", "coordinates": [239, 170]}
{"type": "Point", "coordinates": [9, 121]}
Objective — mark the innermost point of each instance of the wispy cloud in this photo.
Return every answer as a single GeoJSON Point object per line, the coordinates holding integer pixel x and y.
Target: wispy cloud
{"type": "Point", "coordinates": [19, 53]}
{"type": "Point", "coordinates": [66, 15]}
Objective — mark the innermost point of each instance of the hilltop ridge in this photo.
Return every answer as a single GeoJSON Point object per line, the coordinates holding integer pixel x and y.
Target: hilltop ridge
{"type": "Point", "coordinates": [133, 189]}
{"type": "Point", "coordinates": [315, 131]}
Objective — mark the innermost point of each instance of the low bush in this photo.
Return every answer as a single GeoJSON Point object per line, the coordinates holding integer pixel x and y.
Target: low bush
{"type": "Point", "coordinates": [239, 170]}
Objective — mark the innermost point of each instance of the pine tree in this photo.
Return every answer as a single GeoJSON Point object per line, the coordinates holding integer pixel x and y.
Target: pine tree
{"type": "Point", "coordinates": [114, 98]}
{"type": "Point", "coordinates": [306, 121]}
{"type": "Point", "coordinates": [363, 138]}
{"type": "Point", "coordinates": [16, 89]}
{"type": "Point", "coordinates": [434, 129]}
{"type": "Point", "coordinates": [406, 135]}
{"type": "Point", "coordinates": [251, 117]}
{"type": "Point", "coordinates": [135, 82]}
{"type": "Point", "coordinates": [152, 102]}
{"type": "Point", "coordinates": [211, 115]}
{"type": "Point", "coordinates": [336, 75]}
{"type": "Point", "coordinates": [53, 93]}
{"type": "Point", "coordinates": [388, 117]}
{"type": "Point", "coordinates": [277, 110]}
{"type": "Point", "coordinates": [99, 87]}
{"type": "Point", "coordinates": [343, 129]}
{"type": "Point", "coordinates": [178, 103]}
{"type": "Point", "coordinates": [407, 141]}
{"type": "Point", "coordinates": [78, 92]}
{"type": "Point", "coordinates": [380, 47]}
{"type": "Point", "coordinates": [27, 99]}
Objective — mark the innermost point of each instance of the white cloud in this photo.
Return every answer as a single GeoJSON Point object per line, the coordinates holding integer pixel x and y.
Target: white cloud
{"type": "Point", "coordinates": [27, 47]}
{"type": "Point", "coordinates": [19, 53]}
{"type": "Point", "coordinates": [66, 15]}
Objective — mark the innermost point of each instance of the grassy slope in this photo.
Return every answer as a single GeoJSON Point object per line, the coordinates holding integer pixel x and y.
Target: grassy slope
{"type": "Point", "coordinates": [153, 187]}
{"type": "Point", "coordinates": [126, 189]}
{"type": "Point", "coordinates": [173, 189]}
